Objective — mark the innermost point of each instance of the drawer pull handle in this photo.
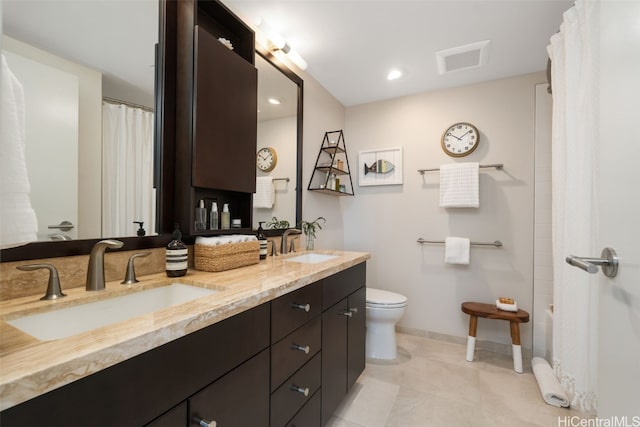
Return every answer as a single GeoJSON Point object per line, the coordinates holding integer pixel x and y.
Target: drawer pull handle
{"type": "Point", "coordinates": [202, 422]}
{"type": "Point", "coordinates": [346, 313]}
{"type": "Point", "coordinates": [305, 307]}
{"type": "Point", "coordinates": [303, 348]}
{"type": "Point", "coordinates": [300, 390]}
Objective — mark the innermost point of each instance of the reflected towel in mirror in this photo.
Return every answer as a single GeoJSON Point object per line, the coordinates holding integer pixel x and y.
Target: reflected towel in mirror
{"type": "Point", "coordinates": [18, 224]}
{"type": "Point", "coordinates": [265, 194]}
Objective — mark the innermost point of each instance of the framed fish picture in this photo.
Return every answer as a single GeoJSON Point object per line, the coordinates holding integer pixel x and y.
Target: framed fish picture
{"type": "Point", "coordinates": [380, 167]}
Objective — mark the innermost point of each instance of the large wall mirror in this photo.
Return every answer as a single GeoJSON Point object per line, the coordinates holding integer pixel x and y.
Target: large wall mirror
{"type": "Point", "coordinates": [117, 41]}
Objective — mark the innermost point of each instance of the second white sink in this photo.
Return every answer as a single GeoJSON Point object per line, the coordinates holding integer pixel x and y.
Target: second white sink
{"type": "Point", "coordinates": [85, 317]}
{"type": "Point", "coordinates": [311, 258]}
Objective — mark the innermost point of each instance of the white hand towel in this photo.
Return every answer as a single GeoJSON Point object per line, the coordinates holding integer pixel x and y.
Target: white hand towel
{"type": "Point", "coordinates": [549, 386]}
{"type": "Point", "coordinates": [456, 250]}
{"type": "Point", "coordinates": [18, 224]}
{"type": "Point", "coordinates": [459, 185]}
{"type": "Point", "coordinates": [265, 194]}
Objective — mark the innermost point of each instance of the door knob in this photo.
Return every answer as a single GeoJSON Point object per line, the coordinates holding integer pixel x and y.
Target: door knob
{"type": "Point", "coordinates": [608, 261]}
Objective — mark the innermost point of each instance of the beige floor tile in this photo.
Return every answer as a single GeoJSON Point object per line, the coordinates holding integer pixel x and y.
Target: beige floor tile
{"type": "Point", "coordinates": [432, 385]}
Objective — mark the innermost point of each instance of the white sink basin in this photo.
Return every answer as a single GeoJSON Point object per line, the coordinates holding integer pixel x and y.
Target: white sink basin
{"type": "Point", "coordinates": [311, 258]}
{"type": "Point", "coordinates": [73, 320]}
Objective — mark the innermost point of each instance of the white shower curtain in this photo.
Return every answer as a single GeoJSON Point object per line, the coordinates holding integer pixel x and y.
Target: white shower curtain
{"type": "Point", "coordinates": [574, 57]}
{"type": "Point", "coordinates": [127, 170]}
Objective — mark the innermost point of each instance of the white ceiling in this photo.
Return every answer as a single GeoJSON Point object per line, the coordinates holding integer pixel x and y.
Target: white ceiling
{"type": "Point", "coordinates": [350, 45]}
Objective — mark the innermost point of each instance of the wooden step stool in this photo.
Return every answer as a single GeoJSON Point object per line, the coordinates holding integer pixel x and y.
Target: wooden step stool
{"type": "Point", "coordinates": [490, 311]}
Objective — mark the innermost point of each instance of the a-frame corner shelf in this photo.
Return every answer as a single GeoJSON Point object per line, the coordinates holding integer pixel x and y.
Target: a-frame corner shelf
{"type": "Point", "coordinates": [332, 164]}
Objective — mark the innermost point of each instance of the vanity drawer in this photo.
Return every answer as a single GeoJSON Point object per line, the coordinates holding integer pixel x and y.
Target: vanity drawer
{"type": "Point", "coordinates": [295, 392]}
{"type": "Point", "coordinates": [309, 415]}
{"type": "Point", "coordinates": [290, 311]}
{"type": "Point", "coordinates": [338, 286]}
{"type": "Point", "coordinates": [294, 350]}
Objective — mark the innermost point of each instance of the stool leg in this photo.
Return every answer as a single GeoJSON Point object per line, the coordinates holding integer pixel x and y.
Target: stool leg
{"type": "Point", "coordinates": [517, 348]}
{"type": "Point", "coordinates": [471, 339]}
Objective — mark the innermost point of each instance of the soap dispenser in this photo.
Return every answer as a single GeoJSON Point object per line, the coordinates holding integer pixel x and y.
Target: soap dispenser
{"type": "Point", "coordinates": [262, 239]}
{"type": "Point", "coordinates": [225, 218]}
{"type": "Point", "coordinates": [201, 217]}
{"type": "Point", "coordinates": [213, 217]}
{"type": "Point", "coordinates": [177, 255]}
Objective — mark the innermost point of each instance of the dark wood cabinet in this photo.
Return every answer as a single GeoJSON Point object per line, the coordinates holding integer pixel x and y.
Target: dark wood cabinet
{"type": "Point", "coordinates": [137, 391]}
{"type": "Point", "coordinates": [275, 365]}
{"type": "Point", "coordinates": [239, 399]}
{"type": "Point", "coordinates": [215, 115]}
{"type": "Point", "coordinates": [343, 335]}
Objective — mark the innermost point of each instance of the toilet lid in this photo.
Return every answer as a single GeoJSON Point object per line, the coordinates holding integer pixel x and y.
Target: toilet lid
{"type": "Point", "coordinates": [380, 298]}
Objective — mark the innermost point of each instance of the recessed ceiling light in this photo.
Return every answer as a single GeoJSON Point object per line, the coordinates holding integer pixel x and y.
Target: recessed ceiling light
{"type": "Point", "coordinates": [394, 74]}
{"type": "Point", "coordinates": [274, 100]}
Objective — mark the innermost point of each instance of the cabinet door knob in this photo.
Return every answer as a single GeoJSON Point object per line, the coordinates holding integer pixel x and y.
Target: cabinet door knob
{"type": "Point", "coordinates": [303, 348]}
{"type": "Point", "coordinates": [202, 422]}
{"type": "Point", "coordinates": [305, 307]}
{"type": "Point", "coordinates": [354, 310]}
{"type": "Point", "coordinates": [346, 313]}
{"type": "Point", "coordinates": [300, 390]}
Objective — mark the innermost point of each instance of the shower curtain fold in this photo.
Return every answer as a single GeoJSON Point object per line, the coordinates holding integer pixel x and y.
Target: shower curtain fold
{"type": "Point", "coordinates": [574, 58]}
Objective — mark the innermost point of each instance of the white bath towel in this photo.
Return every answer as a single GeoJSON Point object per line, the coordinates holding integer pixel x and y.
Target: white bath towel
{"type": "Point", "coordinates": [265, 194]}
{"type": "Point", "coordinates": [456, 250]}
{"type": "Point", "coordinates": [459, 185]}
{"type": "Point", "coordinates": [18, 224]}
{"type": "Point", "coordinates": [550, 387]}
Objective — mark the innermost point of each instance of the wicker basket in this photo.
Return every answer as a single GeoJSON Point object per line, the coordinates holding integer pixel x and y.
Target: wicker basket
{"type": "Point", "coordinates": [226, 257]}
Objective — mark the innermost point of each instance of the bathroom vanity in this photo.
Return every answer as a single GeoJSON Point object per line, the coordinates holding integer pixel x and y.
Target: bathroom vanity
{"type": "Point", "coordinates": [280, 343]}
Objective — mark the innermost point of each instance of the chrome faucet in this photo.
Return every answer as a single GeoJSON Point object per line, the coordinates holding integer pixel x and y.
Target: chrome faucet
{"type": "Point", "coordinates": [95, 272]}
{"type": "Point", "coordinates": [290, 231]}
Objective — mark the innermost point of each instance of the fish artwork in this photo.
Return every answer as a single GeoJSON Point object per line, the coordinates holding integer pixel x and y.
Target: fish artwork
{"type": "Point", "coordinates": [381, 166]}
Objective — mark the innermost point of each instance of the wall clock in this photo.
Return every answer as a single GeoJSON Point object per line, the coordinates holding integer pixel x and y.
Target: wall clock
{"type": "Point", "coordinates": [460, 139]}
{"type": "Point", "coordinates": [266, 159]}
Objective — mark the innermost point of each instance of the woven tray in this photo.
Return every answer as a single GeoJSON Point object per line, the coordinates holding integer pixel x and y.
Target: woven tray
{"type": "Point", "coordinates": [226, 257]}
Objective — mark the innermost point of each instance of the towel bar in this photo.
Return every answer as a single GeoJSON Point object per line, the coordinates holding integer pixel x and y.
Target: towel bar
{"type": "Point", "coordinates": [497, 243]}
{"type": "Point", "coordinates": [494, 165]}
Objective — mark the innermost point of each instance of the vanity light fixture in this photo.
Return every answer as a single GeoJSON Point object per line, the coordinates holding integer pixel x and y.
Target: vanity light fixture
{"type": "Point", "coordinates": [394, 74]}
{"type": "Point", "coordinates": [279, 46]}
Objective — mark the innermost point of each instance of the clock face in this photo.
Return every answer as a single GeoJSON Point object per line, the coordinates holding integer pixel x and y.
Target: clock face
{"type": "Point", "coordinates": [266, 159]}
{"type": "Point", "coordinates": [460, 139]}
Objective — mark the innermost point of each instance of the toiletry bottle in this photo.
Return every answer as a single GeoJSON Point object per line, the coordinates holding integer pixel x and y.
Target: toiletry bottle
{"type": "Point", "coordinates": [213, 217]}
{"type": "Point", "coordinates": [140, 231]}
{"type": "Point", "coordinates": [177, 255]}
{"type": "Point", "coordinates": [225, 218]}
{"type": "Point", "coordinates": [201, 217]}
{"type": "Point", "coordinates": [262, 238]}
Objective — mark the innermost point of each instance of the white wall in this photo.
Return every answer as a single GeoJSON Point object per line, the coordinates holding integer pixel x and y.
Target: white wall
{"type": "Point", "coordinates": [322, 113]}
{"type": "Point", "coordinates": [387, 220]}
{"type": "Point", "coordinates": [543, 252]}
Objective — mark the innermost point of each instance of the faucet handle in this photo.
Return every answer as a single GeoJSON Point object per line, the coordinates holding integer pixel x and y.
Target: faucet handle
{"type": "Point", "coordinates": [53, 286]}
{"type": "Point", "coordinates": [292, 244]}
{"type": "Point", "coordinates": [274, 248]}
{"type": "Point", "coordinates": [130, 275]}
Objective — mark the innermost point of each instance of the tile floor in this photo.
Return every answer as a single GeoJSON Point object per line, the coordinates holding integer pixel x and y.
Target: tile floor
{"type": "Point", "coordinates": [432, 385]}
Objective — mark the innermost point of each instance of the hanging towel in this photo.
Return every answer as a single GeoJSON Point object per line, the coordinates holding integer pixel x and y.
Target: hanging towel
{"type": "Point", "coordinates": [550, 387]}
{"type": "Point", "coordinates": [18, 224]}
{"type": "Point", "coordinates": [459, 185]}
{"type": "Point", "coordinates": [456, 250]}
{"type": "Point", "coordinates": [265, 194]}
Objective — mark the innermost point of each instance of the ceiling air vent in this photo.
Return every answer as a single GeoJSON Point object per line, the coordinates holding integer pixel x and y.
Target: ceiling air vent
{"type": "Point", "coordinates": [463, 57]}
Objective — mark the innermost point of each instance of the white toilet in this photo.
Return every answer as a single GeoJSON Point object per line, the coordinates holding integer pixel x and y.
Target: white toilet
{"type": "Point", "coordinates": [384, 309]}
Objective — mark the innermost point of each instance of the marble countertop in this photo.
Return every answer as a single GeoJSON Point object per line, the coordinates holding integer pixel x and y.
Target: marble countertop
{"type": "Point", "coordinates": [29, 367]}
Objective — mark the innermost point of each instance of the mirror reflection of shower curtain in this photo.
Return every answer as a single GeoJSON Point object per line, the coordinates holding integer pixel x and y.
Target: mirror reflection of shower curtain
{"type": "Point", "coordinates": [127, 188]}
